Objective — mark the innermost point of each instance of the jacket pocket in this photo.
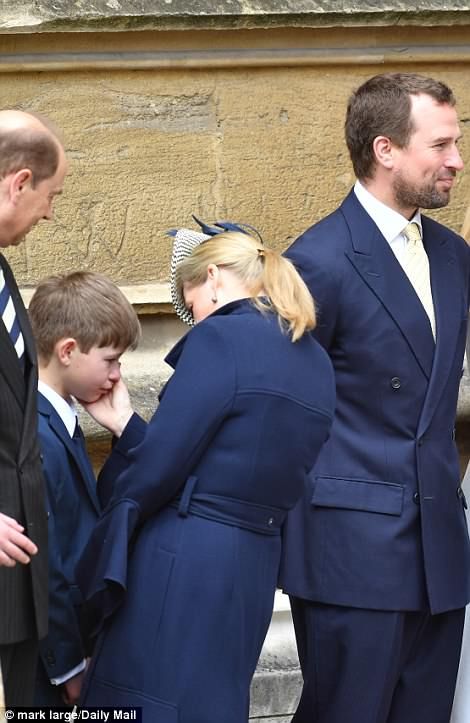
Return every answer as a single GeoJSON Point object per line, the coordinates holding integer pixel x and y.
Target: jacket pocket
{"type": "Point", "coordinates": [355, 494]}
{"type": "Point", "coordinates": [104, 693]}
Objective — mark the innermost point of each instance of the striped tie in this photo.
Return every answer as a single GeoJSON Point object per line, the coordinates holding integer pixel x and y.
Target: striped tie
{"type": "Point", "coordinates": [8, 314]}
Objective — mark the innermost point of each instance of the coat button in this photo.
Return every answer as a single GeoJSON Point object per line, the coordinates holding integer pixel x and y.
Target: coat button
{"type": "Point", "coordinates": [416, 498]}
{"type": "Point", "coordinates": [395, 382]}
{"type": "Point", "coordinates": [271, 521]}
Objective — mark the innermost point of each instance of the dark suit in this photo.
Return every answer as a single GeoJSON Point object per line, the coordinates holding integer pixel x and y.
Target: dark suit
{"type": "Point", "coordinates": [23, 588]}
{"type": "Point", "coordinates": [73, 512]}
{"type": "Point", "coordinates": [382, 526]}
{"type": "Point", "coordinates": [225, 456]}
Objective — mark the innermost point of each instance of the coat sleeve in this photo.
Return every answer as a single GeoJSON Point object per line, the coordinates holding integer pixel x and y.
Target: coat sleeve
{"type": "Point", "coordinates": [196, 401]}
{"type": "Point", "coordinates": [117, 461]}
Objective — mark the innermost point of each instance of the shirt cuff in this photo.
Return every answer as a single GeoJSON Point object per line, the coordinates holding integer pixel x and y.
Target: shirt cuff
{"type": "Point", "coordinates": [64, 678]}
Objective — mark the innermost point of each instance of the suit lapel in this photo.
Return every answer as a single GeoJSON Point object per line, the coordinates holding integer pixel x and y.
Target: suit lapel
{"type": "Point", "coordinates": [57, 426]}
{"type": "Point", "coordinates": [374, 260]}
{"type": "Point", "coordinates": [447, 298]}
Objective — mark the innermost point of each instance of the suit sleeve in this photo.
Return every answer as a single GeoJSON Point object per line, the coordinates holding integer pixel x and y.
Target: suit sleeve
{"type": "Point", "coordinates": [321, 267]}
{"type": "Point", "coordinates": [61, 650]}
{"type": "Point", "coordinates": [198, 397]}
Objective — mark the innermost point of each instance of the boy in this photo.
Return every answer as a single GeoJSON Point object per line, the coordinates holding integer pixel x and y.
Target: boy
{"type": "Point", "coordinates": [82, 324]}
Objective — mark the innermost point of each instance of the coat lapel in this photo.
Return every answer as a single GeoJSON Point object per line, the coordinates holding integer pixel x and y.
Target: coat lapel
{"type": "Point", "coordinates": [374, 260]}
{"type": "Point", "coordinates": [58, 427]}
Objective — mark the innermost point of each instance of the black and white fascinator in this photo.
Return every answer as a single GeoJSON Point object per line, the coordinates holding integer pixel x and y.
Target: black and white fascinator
{"type": "Point", "coordinates": [184, 243]}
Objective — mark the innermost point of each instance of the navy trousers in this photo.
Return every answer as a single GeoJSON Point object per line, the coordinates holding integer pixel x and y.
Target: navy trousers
{"type": "Point", "coordinates": [374, 666]}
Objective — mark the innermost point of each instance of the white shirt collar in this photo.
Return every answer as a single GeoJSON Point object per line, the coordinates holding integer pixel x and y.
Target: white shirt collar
{"type": "Point", "coordinates": [389, 222]}
{"type": "Point", "coordinates": [65, 409]}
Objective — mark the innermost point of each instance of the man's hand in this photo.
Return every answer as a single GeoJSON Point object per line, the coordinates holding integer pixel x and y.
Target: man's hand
{"type": "Point", "coordinates": [14, 545]}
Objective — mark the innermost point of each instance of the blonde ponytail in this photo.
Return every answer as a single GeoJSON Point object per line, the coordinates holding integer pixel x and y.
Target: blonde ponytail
{"type": "Point", "coordinates": [270, 279]}
{"type": "Point", "coordinates": [287, 294]}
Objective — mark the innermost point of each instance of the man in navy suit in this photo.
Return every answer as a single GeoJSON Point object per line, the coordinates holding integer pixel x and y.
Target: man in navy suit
{"type": "Point", "coordinates": [376, 557]}
{"type": "Point", "coordinates": [32, 170]}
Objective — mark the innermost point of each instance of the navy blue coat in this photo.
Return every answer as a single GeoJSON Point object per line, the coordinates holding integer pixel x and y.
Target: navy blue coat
{"type": "Point", "coordinates": [73, 512]}
{"type": "Point", "coordinates": [202, 498]}
{"type": "Point", "coordinates": [382, 525]}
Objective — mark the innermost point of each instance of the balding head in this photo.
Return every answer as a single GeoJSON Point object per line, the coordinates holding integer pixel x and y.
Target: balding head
{"type": "Point", "coordinates": [32, 171]}
{"type": "Point", "coordinates": [28, 141]}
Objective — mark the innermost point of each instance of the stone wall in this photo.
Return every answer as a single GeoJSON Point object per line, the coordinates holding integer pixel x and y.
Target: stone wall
{"type": "Point", "coordinates": [226, 109]}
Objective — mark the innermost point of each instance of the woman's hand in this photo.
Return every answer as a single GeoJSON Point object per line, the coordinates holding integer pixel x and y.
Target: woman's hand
{"type": "Point", "coordinates": [113, 410]}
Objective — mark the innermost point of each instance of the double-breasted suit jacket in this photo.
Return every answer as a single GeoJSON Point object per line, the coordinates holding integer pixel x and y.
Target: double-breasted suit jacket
{"type": "Point", "coordinates": [73, 512]}
{"type": "Point", "coordinates": [382, 525]}
{"type": "Point", "coordinates": [206, 487]}
{"type": "Point", "coordinates": [23, 588]}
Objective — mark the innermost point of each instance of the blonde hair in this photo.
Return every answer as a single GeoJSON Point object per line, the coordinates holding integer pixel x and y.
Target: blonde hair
{"type": "Point", "coordinates": [264, 273]}
{"type": "Point", "coordinates": [83, 305]}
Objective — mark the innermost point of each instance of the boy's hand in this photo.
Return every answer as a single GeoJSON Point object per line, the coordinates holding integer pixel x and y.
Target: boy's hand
{"type": "Point", "coordinates": [14, 545]}
{"type": "Point", "coordinates": [71, 689]}
{"type": "Point", "coordinates": [113, 410]}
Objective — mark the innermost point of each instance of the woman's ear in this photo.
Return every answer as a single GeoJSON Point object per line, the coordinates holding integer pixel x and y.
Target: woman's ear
{"type": "Point", "coordinates": [213, 272]}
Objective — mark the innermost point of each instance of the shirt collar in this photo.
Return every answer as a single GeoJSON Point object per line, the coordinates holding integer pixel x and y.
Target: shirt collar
{"type": "Point", "coordinates": [389, 222]}
{"type": "Point", "coordinates": [64, 408]}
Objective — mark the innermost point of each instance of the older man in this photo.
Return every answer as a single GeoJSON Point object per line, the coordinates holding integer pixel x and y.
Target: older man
{"type": "Point", "coordinates": [377, 558]}
{"type": "Point", "coordinates": [32, 170]}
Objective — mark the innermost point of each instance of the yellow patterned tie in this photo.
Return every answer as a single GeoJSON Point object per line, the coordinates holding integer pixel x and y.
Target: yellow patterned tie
{"type": "Point", "coordinates": [415, 264]}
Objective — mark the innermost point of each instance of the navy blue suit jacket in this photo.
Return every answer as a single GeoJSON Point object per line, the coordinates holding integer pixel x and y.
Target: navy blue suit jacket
{"type": "Point", "coordinates": [382, 525]}
{"type": "Point", "coordinates": [73, 512]}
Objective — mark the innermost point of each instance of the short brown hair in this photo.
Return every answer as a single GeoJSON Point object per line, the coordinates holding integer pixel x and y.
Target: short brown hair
{"type": "Point", "coordinates": [28, 148]}
{"type": "Point", "coordinates": [83, 305]}
{"type": "Point", "coordinates": [382, 107]}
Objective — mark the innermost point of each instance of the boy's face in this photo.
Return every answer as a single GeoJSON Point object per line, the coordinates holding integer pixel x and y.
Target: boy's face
{"type": "Point", "coordinates": [91, 375]}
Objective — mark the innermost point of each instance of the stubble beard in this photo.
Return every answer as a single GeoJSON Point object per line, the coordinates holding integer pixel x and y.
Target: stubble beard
{"type": "Point", "coordinates": [425, 196]}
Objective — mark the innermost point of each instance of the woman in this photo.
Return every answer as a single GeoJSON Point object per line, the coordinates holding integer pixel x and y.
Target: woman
{"type": "Point", "coordinates": [202, 491]}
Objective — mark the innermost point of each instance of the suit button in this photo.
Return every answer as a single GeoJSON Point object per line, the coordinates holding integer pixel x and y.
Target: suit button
{"type": "Point", "coordinates": [395, 382]}
{"type": "Point", "coordinates": [416, 498]}
{"type": "Point", "coordinates": [271, 521]}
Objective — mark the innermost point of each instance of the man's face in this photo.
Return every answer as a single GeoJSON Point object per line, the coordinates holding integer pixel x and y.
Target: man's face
{"type": "Point", "coordinates": [30, 204]}
{"type": "Point", "coordinates": [425, 169]}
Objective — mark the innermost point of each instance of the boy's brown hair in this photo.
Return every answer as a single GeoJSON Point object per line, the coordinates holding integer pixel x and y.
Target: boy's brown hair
{"type": "Point", "coordinates": [85, 306]}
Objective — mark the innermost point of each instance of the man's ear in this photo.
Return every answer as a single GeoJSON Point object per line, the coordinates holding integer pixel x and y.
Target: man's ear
{"type": "Point", "coordinates": [383, 151]}
{"type": "Point", "coordinates": [65, 349]}
{"type": "Point", "coordinates": [19, 182]}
